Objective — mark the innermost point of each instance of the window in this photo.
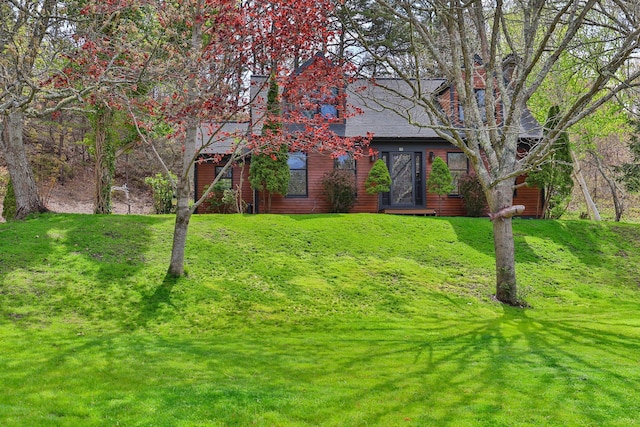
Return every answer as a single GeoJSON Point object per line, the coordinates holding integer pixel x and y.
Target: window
{"type": "Point", "coordinates": [323, 104]}
{"type": "Point", "coordinates": [298, 169]}
{"type": "Point", "coordinates": [479, 93]}
{"type": "Point", "coordinates": [226, 180]}
{"type": "Point", "coordinates": [458, 166]}
{"type": "Point", "coordinates": [345, 162]}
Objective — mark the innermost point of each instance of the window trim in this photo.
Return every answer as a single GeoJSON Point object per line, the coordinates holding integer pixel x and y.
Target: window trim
{"type": "Point", "coordinates": [306, 176]}
{"type": "Point", "coordinates": [229, 172]}
{"type": "Point", "coordinates": [456, 191]}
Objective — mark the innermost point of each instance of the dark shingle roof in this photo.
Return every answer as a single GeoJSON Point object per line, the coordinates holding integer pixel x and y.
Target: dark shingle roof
{"type": "Point", "coordinates": [384, 110]}
{"type": "Point", "coordinates": [220, 139]}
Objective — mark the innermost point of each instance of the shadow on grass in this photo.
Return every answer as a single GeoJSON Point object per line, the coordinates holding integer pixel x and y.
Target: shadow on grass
{"type": "Point", "coordinates": [160, 298]}
{"type": "Point", "coordinates": [73, 264]}
{"type": "Point", "coordinates": [566, 372]}
{"type": "Point", "coordinates": [509, 370]}
{"type": "Point", "coordinates": [587, 242]}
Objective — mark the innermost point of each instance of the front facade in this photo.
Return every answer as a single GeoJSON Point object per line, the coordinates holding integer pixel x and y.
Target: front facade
{"type": "Point", "coordinates": [407, 149]}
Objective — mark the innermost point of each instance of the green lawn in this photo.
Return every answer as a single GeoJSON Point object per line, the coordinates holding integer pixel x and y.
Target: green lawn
{"type": "Point", "coordinates": [339, 320]}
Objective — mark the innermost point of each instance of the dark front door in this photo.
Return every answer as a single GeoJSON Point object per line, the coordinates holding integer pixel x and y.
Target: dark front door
{"type": "Point", "coordinates": [405, 169]}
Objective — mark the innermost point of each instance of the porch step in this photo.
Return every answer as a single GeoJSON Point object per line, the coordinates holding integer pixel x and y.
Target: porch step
{"type": "Point", "coordinates": [418, 212]}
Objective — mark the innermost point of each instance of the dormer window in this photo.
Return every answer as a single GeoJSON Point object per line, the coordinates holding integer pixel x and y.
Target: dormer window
{"type": "Point", "coordinates": [324, 105]}
{"type": "Point", "coordinates": [480, 100]}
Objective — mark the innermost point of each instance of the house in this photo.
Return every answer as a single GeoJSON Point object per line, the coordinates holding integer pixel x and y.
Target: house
{"type": "Point", "coordinates": [408, 149]}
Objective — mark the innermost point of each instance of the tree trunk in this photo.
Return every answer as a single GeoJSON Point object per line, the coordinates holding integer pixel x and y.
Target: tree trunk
{"type": "Point", "coordinates": [183, 216]}
{"type": "Point", "coordinates": [105, 162]}
{"type": "Point", "coordinates": [24, 184]}
{"type": "Point", "coordinates": [577, 173]}
{"type": "Point", "coordinates": [618, 202]}
{"type": "Point", "coordinates": [183, 211]}
{"type": "Point", "coordinates": [499, 197]}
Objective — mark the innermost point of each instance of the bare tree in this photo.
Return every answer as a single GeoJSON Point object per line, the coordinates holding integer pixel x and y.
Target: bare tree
{"type": "Point", "coordinates": [34, 37]}
{"type": "Point", "coordinates": [518, 45]}
{"type": "Point", "coordinates": [23, 27]}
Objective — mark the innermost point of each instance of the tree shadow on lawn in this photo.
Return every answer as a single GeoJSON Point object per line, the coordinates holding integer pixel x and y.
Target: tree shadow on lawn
{"type": "Point", "coordinates": [586, 241]}
{"type": "Point", "coordinates": [497, 370]}
{"type": "Point", "coordinates": [66, 248]}
{"type": "Point", "coordinates": [151, 304]}
{"type": "Point", "coordinates": [509, 370]}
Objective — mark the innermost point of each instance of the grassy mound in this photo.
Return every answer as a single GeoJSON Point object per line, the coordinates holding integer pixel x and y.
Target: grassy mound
{"type": "Point", "coordinates": [316, 320]}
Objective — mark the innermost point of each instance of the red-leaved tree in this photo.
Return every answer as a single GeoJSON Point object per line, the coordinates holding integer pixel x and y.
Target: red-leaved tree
{"type": "Point", "coordinates": [199, 63]}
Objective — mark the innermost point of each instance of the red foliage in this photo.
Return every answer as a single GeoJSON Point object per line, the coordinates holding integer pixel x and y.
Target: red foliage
{"type": "Point", "coordinates": [197, 56]}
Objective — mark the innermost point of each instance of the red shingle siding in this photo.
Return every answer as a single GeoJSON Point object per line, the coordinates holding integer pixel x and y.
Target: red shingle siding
{"type": "Point", "coordinates": [318, 164]}
{"type": "Point", "coordinates": [205, 174]}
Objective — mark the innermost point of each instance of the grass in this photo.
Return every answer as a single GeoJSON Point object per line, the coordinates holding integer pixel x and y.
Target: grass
{"type": "Point", "coordinates": [316, 320]}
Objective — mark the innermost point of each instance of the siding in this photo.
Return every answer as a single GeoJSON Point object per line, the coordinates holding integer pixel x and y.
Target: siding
{"type": "Point", "coordinates": [319, 163]}
{"type": "Point", "coordinates": [205, 174]}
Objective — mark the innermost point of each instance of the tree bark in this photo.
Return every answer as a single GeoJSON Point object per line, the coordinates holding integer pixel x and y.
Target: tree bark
{"type": "Point", "coordinates": [105, 162]}
{"type": "Point", "coordinates": [24, 185]}
{"type": "Point", "coordinates": [499, 197]}
{"type": "Point", "coordinates": [618, 202]}
{"type": "Point", "coordinates": [183, 211]}
{"type": "Point", "coordinates": [183, 190]}
{"type": "Point", "coordinates": [183, 216]}
{"type": "Point", "coordinates": [591, 206]}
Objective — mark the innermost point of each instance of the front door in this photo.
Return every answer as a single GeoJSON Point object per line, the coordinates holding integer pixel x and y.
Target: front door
{"type": "Point", "coordinates": [405, 168]}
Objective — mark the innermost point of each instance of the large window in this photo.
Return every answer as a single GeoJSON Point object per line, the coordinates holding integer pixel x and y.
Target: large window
{"type": "Point", "coordinates": [298, 170]}
{"type": "Point", "coordinates": [479, 94]}
{"type": "Point", "coordinates": [226, 180]}
{"type": "Point", "coordinates": [323, 104]}
{"type": "Point", "coordinates": [345, 162]}
{"type": "Point", "coordinates": [458, 166]}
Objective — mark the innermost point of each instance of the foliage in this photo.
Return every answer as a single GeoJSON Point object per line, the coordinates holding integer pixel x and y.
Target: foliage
{"type": "Point", "coordinates": [95, 334]}
{"type": "Point", "coordinates": [555, 175]}
{"type": "Point", "coordinates": [440, 181]}
{"type": "Point", "coordinates": [9, 203]}
{"type": "Point", "coordinates": [629, 173]}
{"type": "Point", "coordinates": [273, 121]}
{"type": "Point", "coordinates": [473, 196]}
{"type": "Point", "coordinates": [378, 179]}
{"type": "Point", "coordinates": [225, 200]}
{"type": "Point", "coordinates": [339, 188]}
{"type": "Point", "coordinates": [269, 173]}
{"type": "Point", "coordinates": [163, 192]}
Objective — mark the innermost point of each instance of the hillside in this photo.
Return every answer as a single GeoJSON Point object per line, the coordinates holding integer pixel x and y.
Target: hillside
{"type": "Point", "coordinates": [316, 320]}
{"type": "Point", "coordinates": [76, 194]}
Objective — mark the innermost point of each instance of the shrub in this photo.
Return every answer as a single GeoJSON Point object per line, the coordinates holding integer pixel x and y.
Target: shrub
{"type": "Point", "coordinates": [163, 193]}
{"type": "Point", "coordinates": [440, 181]}
{"type": "Point", "coordinates": [378, 180]}
{"type": "Point", "coordinates": [269, 173]}
{"type": "Point", "coordinates": [9, 204]}
{"type": "Point", "coordinates": [471, 191]}
{"type": "Point", "coordinates": [225, 200]}
{"type": "Point", "coordinates": [340, 189]}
